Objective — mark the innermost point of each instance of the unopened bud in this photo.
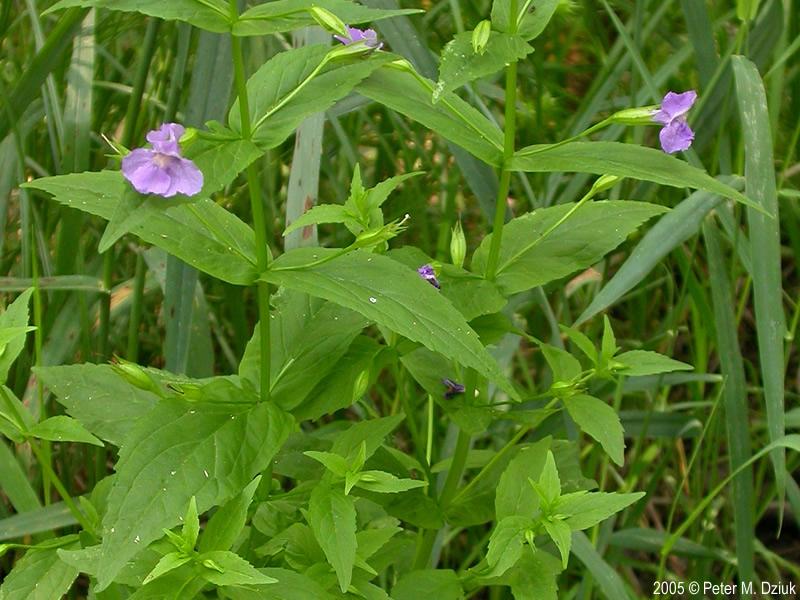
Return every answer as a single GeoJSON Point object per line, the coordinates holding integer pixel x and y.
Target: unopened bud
{"type": "Point", "coordinates": [480, 36]}
{"type": "Point", "coordinates": [605, 182]}
{"type": "Point", "coordinates": [458, 245]}
{"type": "Point", "coordinates": [328, 20]}
{"type": "Point", "coordinates": [373, 237]}
{"type": "Point", "coordinates": [133, 374]}
{"type": "Point", "coordinates": [634, 116]}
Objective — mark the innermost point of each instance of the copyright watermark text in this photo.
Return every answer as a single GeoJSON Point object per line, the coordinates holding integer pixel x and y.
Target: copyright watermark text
{"type": "Point", "coordinates": [711, 589]}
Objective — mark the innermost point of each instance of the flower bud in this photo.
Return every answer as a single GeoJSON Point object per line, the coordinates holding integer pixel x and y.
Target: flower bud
{"type": "Point", "coordinates": [605, 182]}
{"type": "Point", "coordinates": [328, 20]}
{"type": "Point", "coordinates": [480, 36]}
{"type": "Point", "coordinates": [134, 374]}
{"type": "Point", "coordinates": [373, 237]}
{"type": "Point", "coordinates": [642, 115]}
{"type": "Point", "coordinates": [458, 245]}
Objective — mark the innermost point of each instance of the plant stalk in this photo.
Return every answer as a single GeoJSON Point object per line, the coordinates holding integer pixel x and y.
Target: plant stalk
{"type": "Point", "coordinates": [508, 152]}
{"type": "Point", "coordinates": [257, 208]}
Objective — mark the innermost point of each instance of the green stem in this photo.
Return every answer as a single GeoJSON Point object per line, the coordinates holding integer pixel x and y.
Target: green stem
{"type": "Point", "coordinates": [257, 208]}
{"type": "Point", "coordinates": [136, 309]}
{"type": "Point", "coordinates": [60, 488]}
{"type": "Point", "coordinates": [508, 152]}
{"type": "Point", "coordinates": [456, 470]}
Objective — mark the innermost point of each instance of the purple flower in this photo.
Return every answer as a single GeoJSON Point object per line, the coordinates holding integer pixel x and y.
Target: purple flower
{"type": "Point", "coordinates": [162, 170]}
{"type": "Point", "coordinates": [354, 35]}
{"type": "Point", "coordinates": [453, 388]}
{"type": "Point", "coordinates": [429, 275]}
{"type": "Point", "coordinates": [676, 135]}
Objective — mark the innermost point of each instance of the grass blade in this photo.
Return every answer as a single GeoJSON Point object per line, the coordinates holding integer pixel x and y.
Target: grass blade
{"type": "Point", "coordinates": [672, 229]}
{"type": "Point", "coordinates": [765, 252]}
{"type": "Point", "coordinates": [735, 398]}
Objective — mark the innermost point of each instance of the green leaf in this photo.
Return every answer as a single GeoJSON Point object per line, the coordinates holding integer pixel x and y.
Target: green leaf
{"type": "Point", "coordinates": [386, 483]}
{"type": "Point", "coordinates": [367, 434]}
{"type": "Point", "coordinates": [308, 338]}
{"type": "Point", "coordinates": [534, 23]}
{"type": "Point", "coordinates": [451, 117]}
{"type": "Point", "coordinates": [608, 343]}
{"type": "Point", "coordinates": [102, 401]}
{"type": "Point", "coordinates": [765, 250]}
{"type": "Point", "coordinates": [393, 296]}
{"type": "Point", "coordinates": [582, 510]}
{"type": "Point", "coordinates": [174, 453]}
{"type": "Point", "coordinates": [287, 15]}
{"type": "Point", "coordinates": [198, 231]}
{"type": "Point", "coordinates": [561, 534]}
{"type": "Point", "coordinates": [234, 569]}
{"type": "Point", "coordinates": [39, 575]}
{"type": "Point", "coordinates": [608, 580]}
{"type": "Point", "coordinates": [221, 161]}
{"type": "Point", "coordinates": [296, 84]}
{"type": "Point", "coordinates": [168, 562]}
{"type": "Point", "coordinates": [515, 496]}
{"type": "Point", "coordinates": [622, 160]}
{"type": "Point", "coordinates": [63, 429]}
{"type": "Point", "coordinates": [583, 343]}
{"type": "Point", "coordinates": [333, 462]}
{"type": "Point", "coordinates": [332, 518]}
{"type": "Point", "coordinates": [529, 258]}
{"type": "Point", "coordinates": [507, 542]}
{"type": "Point", "coordinates": [322, 213]}
{"type": "Point", "coordinates": [549, 484]}
{"type": "Point", "coordinates": [460, 63]}
{"type": "Point", "coordinates": [644, 362]}
{"type": "Point", "coordinates": [529, 25]}
{"type": "Point", "coordinates": [599, 420]}
{"type": "Point", "coordinates": [442, 584]}
{"type": "Point", "coordinates": [535, 577]}
{"type": "Point", "coordinates": [227, 522]}
{"type": "Point", "coordinates": [212, 15]}
{"type": "Point", "coordinates": [565, 367]}
{"type": "Point", "coordinates": [671, 230]}
{"type": "Point", "coordinates": [473, 296]}
{"type": "Point", "coordinates": [14, 316]}
{"type": "Point", "coordinates": [191, 524]}
{"type": "Point", "coordinates": [342, 386]}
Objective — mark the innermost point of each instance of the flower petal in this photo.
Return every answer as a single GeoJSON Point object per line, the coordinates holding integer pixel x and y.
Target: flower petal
{"type": "Point", "coordinates": [674, 106]}
{"type": "Point", "coordinates": [676, 137]}
{"type": "Point", "coordinates": [188, 179]}
{"type": "Point", "coordinates": [140, 169]}
{"type": "Point", "coordinates": [165, 139]}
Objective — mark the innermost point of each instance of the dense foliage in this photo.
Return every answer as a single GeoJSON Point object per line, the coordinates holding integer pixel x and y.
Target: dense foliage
{"type": "Point", "coordinates": [293, 313]}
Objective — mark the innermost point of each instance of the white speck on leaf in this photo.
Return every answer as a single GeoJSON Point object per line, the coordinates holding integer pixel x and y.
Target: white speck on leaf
{"type": "Point", "coordinates": [373, 299]}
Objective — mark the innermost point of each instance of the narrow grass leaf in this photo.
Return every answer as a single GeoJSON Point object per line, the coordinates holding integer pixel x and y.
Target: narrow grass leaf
{"type": "Point", "coordinates": [765, 252]}
{"type": "Point", "coordinates": [735, 397]}
{"type": "Point", "coordinates": [671, 230]}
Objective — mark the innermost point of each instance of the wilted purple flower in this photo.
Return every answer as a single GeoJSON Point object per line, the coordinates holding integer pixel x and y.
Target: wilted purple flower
{"type": "Point", "coordinates": [453, 388]}
{"type": "Point", "coordinates": [676, 135]}
{"type": "Point", "coordinates": [162, 170]}
{"type": "Point", "coordinates": [354, 34]}
{"type": "Point", "coordinates": [429, 275]}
